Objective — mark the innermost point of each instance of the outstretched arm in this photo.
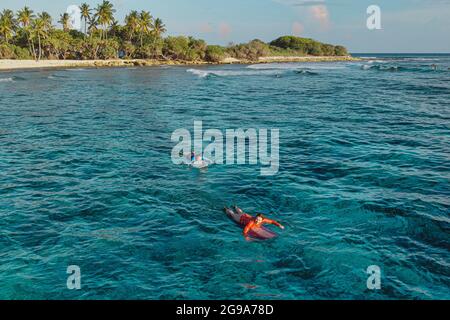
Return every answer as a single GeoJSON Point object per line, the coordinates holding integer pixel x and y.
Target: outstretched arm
{"type": "Point", "coordinates": [270, 221]}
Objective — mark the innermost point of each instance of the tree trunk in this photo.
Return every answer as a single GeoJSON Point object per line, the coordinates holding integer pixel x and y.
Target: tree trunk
{"type": "Point", "coordinates": [33, 48]}
{"type": "Point", "coordinates": [40, 49]}
{"type": "Point", "coordinates": [29, 45]}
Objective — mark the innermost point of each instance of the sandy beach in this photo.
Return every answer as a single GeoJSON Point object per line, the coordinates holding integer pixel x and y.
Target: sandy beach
{"type": "Point", "coordinates": [8, 64]}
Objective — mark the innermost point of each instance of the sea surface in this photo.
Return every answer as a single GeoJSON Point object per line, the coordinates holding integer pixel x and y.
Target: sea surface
{"type": "Point", "coordinates": [86, 179]}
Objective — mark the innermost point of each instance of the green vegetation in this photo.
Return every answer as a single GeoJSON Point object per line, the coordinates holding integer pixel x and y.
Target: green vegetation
{"type": "Point", "coordinates": [302, 46]}
{"type": "Point", "coordinates": [27, 35]}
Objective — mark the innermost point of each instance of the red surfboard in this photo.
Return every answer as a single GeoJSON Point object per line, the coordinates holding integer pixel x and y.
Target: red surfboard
{"type": "Point", "coordinates": [242, 219]}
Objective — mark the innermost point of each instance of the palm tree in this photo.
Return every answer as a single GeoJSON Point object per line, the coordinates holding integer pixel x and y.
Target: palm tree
{"type": "Point", "coordinates": [7, 24]}
{"type": "Point", "coordinates": [40, 31]}
{"type": "Point", "coordinates": [115, 28]}
{"type": "Point", "coordinates": [105, 16]}
{"type": "Point", "coordinates": [25, 17]}
{"type": "Point", "coordinates": [159, 28]}
{"type": "Point", "coordinates": [64, 19]}
{"type": "Point", "coordinates": [145, 24]}
{"type": "Point", "coordinates": [132, 23]}
{"type": "Point", "coordinates": [85, 15]}
{"type": "Point", "coordinates": [92, 28]}
{"type": "Point", "coordinates": [46, 19]}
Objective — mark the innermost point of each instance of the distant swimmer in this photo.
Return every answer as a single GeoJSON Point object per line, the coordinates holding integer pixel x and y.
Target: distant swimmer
{"type": "Point", "coordinates": [434, 66]}
{"type": "Point", "coordinates": [198, 161]}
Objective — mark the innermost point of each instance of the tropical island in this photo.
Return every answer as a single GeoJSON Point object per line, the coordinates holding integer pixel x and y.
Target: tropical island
{"type": "Point", "coordinates": [29, 39]}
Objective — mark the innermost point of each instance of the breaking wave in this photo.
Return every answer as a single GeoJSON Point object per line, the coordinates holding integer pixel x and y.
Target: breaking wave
{"type": "Point", "coordinates": [264, 70]}
{"type": "Point", "coordinates": [6, 80]}
{"type": "Point", "coordinates": [233, 73]}
{"type": "Point", "coordinates": [12, 79]}
{"type": "Point", "coordinates": [296, 66]}
{"type": "Point", "coordinates": [397, 68]}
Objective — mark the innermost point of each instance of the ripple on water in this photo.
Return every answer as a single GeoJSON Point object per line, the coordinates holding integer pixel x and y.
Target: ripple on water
{"type": "Point", "coordinates": [87, 179]}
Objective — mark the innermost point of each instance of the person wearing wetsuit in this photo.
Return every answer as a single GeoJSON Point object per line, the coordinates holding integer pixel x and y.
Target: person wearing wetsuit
{"type": "Point", "coordinates": [258, 221]}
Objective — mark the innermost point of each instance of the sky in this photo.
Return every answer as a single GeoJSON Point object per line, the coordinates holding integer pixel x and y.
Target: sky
{"type": "Point", "coordinates": [407, 26]}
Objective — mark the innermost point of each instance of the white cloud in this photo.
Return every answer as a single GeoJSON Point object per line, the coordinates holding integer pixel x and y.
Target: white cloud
{"type": "Point", "coordinates": [224, 30]}
{"type": "Point", "coordinates": [297, 28]}
{"type": "Point", "coordinates": [301, 3]}
{"type": "Point", "coordinates": [320, 13]}
{"type": "Point", "coordinates": [312, 11]}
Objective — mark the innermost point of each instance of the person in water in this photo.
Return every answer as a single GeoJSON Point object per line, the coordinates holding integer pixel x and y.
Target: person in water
{"type": "Point", "coordinates": [258, 221]}
{"type": "Point", "coordinates": [196, 157]}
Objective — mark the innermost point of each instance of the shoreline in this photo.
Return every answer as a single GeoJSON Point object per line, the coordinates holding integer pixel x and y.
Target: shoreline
{"type": "Point", "coordinates": [12, 65]}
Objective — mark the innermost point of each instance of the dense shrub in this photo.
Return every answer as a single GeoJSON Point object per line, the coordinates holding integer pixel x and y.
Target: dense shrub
{"type": "Point", "coordinates": [90, 48]}
{"type": "Point", "coordinates": [314, 49]}
{"type": "Point", "coordinates": [328, 49]}
{"type": "Point", "coordinates": [57, 45]}
{"type": "Point", "coordinates": [6, 51]}
{"type": "Point", "coordinates": [152, 50]}
{"type": "Point", "coordinates": [305, 46]}
{"type": "Point", "coordinates": [196, 50]}
{"type": "Point", "coordinates": [249, 51]}
{"type": "Point", "coordinates": [176, 47]}
{"type": "Point", "coordinates": [214, 53]}
{"type": "Point", "coordinates": [128, 50]}
{"type": "Point", "coordinates": [76, 34]}
{"type": "Point", "coordinates": [109, 49]}
{"type": "Point", "coordinates": [10, 51]}
{"type": "Point", "coordinates": [21, 53]}
{"type": "Point", "coordinates": [340, 51]}
{"type": "Point", "coordinates": [294, 43]}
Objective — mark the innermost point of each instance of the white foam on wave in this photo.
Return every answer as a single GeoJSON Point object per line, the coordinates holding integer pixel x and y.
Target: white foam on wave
{"type": "Point", "coordinates": [232, 73]}
{"type": "Point", "coordinates": [377, 61]}
{"type": "Point", "coordinates": [421, 59]}
{"type": "Point", "coordinates": [75, 69]}
{"type": "Point", "coordinates": [200, 73]}
{"type": "Point", "coordinates": [295, 66]}
{"type": "Point", "coordinates": [6, 80]}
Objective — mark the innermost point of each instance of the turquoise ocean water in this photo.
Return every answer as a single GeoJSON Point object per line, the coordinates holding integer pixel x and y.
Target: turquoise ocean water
{"type": "Point", "coordinates": [86, 179]}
